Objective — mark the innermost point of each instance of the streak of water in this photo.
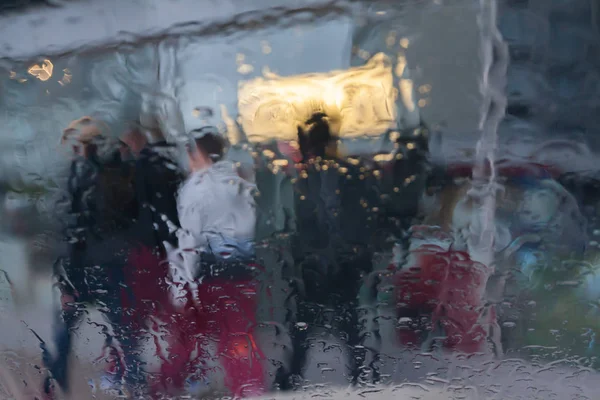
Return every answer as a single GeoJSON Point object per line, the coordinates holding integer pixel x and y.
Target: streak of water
{"type": "Point", "coordinates": [494, 53]}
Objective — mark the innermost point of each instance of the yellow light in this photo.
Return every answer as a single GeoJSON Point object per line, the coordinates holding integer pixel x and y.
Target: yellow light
{"type": "Point", "coordinates": [245, 69]}
{"type": "Point", "coordinates": [358, 101]}
{"type": "Point", "coordinates": [424, 89]}
{"type": "Point", "coordinates": [400, 65]}
{"type": "Point", "coordinates": [43, 72]}
{"type": "Point", "coordinates": [268, 153]}
{"type": "Point", "coordinates": [233, 133]}
{"type": "Point", "coordinates": [383, 157]}
{"type": "Point", "coordinates": [406, 93]}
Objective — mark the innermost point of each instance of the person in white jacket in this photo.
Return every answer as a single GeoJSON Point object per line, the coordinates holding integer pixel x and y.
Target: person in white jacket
{"type": "Point", "coordinates": [214, 275]}
{"type": "Point", "coordinates": [216, 207]}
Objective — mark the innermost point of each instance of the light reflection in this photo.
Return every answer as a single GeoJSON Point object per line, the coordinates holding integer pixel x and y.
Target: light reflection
{"type": "Point", "coordinates": [358, 101]}
{"type": "Point", "coordinates": [406, 94]}
{"type": "Point", "coordinates": [424, 89]}
{"type": "Point", "coordinates": [245, 69]}
{"type": "Point", "coordinates": [400, 65]}
{"type": "Point", "coordinates": [66, 79]}
{"type": "Point", "coordinates": [43, 72]}
{"type": "Point", "coordinates": [383, 158]}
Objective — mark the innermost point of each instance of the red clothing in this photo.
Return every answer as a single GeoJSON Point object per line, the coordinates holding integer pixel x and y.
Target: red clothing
{"type": "Point", "coordinates": [449, 286]}
{"type": "Point", "coordinates": [146, 276]}
{"type": "Point", "coordinates": [223, 311]}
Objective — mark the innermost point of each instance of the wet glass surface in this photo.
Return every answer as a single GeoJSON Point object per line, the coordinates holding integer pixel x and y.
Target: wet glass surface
{"type": "Point", "coordinates": [359, 199]}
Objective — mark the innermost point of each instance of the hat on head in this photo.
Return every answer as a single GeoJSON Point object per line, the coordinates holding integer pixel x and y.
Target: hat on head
{"type": "Point", "coordinates": [84, 130]}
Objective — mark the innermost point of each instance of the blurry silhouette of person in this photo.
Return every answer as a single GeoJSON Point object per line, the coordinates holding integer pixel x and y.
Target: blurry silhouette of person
{"type": "Point", "coordinates": [318, 145]}
{"type": "Point", "coordinates": [157, 179]}
{"type": "Point", "coordinates": [331, 258]}
{"type": "Point", "coordinates": [216, 206]}
{"type": "Point", "coordinates": [318, 141]}
{"type": "Point", "coordinates": [102, 202]}
{"type": "Point", "coordinates": [537, 224]}
{"type": "Point", "coordinates": [214, 272]}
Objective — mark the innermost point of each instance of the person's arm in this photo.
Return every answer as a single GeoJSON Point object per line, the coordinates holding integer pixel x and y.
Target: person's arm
{"type": "Point", "coordinates": [192, 240]}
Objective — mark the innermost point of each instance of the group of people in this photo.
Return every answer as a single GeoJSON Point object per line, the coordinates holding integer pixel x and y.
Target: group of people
{"type": "Point", "coordinates": [152, 243]}
{"type": "Point", "coordinates": [142, 237]}
{"type": "Point", "coordinates": [161, 246]}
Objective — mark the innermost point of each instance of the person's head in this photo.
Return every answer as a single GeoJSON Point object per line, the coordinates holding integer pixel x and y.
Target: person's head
{"type": "Point", "coordinates": [317, 137]}
{"type": "Point", "coordinates": [85, 134]}
{"type": "Point", "coordinates": [205, 149]}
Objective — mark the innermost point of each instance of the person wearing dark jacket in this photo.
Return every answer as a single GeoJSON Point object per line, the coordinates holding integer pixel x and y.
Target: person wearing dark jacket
{"type": "Point", "coordinates": [102, 204]}
{"type": "Point", "coordinates": [331, 257]}
{"type": "Point", "coordinates": [156, 181]}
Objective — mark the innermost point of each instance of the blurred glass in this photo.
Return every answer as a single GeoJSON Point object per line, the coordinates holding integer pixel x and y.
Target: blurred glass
{"type": "Point", "coordinates": [432, 234]}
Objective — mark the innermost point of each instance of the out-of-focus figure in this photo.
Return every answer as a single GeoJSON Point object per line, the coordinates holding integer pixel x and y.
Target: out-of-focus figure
{"type": "Point", "coordinates": [446, 299]}
{"type": "Point", "coordinates": [330, 249]}
{"type": "Point", "coordinates": [216, 206]}
{"type": "Point", "coordinates": [214, 290]}
{"type": "Point", "coordinates": [102, 204]}
{"type": "Point", "coordinates": [157, 179]}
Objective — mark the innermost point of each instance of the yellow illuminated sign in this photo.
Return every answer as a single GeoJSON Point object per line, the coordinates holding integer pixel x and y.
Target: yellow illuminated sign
{"type": "Point", "coordinates": [358, 101]}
